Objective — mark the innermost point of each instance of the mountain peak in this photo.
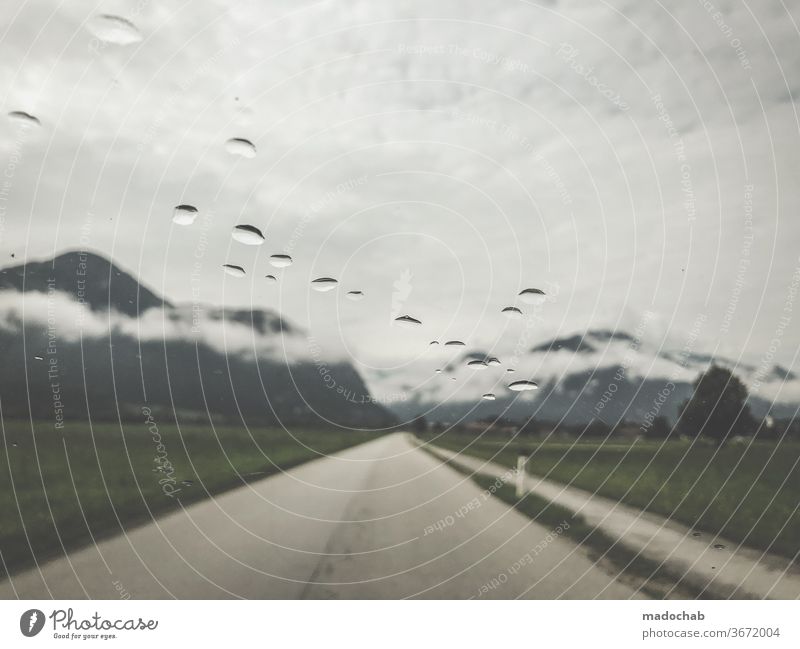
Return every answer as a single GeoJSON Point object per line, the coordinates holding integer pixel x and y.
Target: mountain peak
{"type": "Point", "coordinates": [576, 343]}
{"type": "Point", "coordinates": [606, 335]}
{"type": "Point", "coordinates": [88, 278]}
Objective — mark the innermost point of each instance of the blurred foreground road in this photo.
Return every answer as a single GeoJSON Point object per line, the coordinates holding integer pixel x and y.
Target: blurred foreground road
{"type": "Point", "coordinates": [351, 525]}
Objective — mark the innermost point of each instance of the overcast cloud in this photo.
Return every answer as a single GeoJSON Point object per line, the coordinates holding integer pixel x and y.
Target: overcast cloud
{"type": "Point", "coordinates": [439, 156]}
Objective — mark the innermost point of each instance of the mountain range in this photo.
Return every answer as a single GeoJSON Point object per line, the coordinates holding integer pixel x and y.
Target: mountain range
{"type": "Point", "coordinates": [598, 374]}
{"type": "Point", "coordinates": [80, 337]}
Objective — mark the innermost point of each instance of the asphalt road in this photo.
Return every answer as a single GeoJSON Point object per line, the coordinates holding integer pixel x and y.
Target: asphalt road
{"type": "Point", "coordinates": [380, 520]}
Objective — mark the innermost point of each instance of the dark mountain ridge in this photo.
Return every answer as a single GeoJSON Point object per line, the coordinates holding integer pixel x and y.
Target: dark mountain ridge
{"type": "Point", "coordinates": [88, 278]}
{"type": "Point", "coordinates": [600, 387]}
{"type": "Point", "coordinates": [49, 373]}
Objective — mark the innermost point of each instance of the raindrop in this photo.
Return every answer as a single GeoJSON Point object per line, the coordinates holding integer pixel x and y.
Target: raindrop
{"type": "Point", "coordinates": [26, 119]}
{"type": "Point", "coordinates": [187, 483]}
{"type": "Point", "coordinates": [522, 386]}
{"type": "Point", "coordinates": [719, 546]}
{"type": "Point", "coordinates": [114, 29]}
{"type": "Point", "coordinates": [324, 284]}
{"type": "Point", "coordinates": [511, 369]}
{"type": "Point", "coordinates": [407, 321]}
{"type": "Point", "coordinates": [434, 342]}
{"type": "Point", "coordinates": [233, 271]}
{"type": "Point", "coordinates": [477, 365]}
{"type": "Point", "coordinates": [493, 361]}
{"type": "Point", "coordinates": [184, 214]}
{"type": "Point", "coordinates": [280, 261]}
{"type": "Point", "coordinates": [695, 533]}
{"type": "Point", "coordinates": [438, 371]}
{"type": "Point", "coordinates": [532, 296]}
{"type": "Point", "coordinates": [38, 358]}
{"type": "Point", "coordinates": [249, 235]}
{"type": "Point", "coordinates": [511, 312]}
{"type": "Point", "coordinates": [271, 278]}
{"type": "Point", "coordinates": [488, 396]}
{"type": "Point", "coordinates": [241, 147]}
{"type": "Point", "coordinates": [355, 296]}
{"type": "Point", "coordinates": [14, 444]}
{"type": "Point", "coordinates": [452, 378]}
{"type": "Point", "coordinates": [452, 343]}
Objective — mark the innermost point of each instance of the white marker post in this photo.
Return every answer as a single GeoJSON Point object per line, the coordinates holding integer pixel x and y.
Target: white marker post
{"type": "Point", "coordinates": [520, 476]}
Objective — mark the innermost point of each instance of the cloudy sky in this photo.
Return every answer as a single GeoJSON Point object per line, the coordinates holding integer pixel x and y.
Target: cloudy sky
{"type": "Point", "coordinates": [626, 157]}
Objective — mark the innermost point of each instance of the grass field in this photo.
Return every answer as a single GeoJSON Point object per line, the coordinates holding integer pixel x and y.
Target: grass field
{"type": "Point", "coordinates": [60, 488]}
{"type": "Point", "coordinates": [749, 493]}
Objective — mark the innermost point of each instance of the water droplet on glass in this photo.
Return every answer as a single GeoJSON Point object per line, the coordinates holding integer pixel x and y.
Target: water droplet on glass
{"type": "Point", "coordinates": [493, 361]}
{"type": "Point", "coordinates": [280, 261]}
{"type": "Point", "coordinates": [187, 483]}
{"type": "Point", "coordinates": [433, 342]}
{"type": "Point", "coordinates": [233, 271]}
{"type": "Point", "coordinates": [355, 296]}
{"type": "Point", "coordinates": [454, 343]}
{"type": "Point", "coordinates": [522, 386]}
{"type": "Point", "coordinates": [324, 284]}
{"type": "Point", "coordinates": [477, 365]}
{"type": "Point", "coordinates": [695, 534]}
{"type": "Point", "coordinates": [488, 396]}
{"type": "Point", "coordinates": [23, 118]}
{"type": "Point", "coordinates": [114, 29]}
{"type": "Point", "coordinates": [249, 235]}
{"type": "Point", "coordinates": [38, 358]}
{"type": "Point", "coordinates": [532, 296]}
{"type": "Point", "coordinates": [512, 312]}
{"type": "Point", "coordinates": [510, 369]}
{"type": "Point", "coordinates": [438, 371]}
{"type": "Point", "coordinates": [241, 147]}
{"type": "Point", "coordinates": [719, 546]}
{"type": "Point", "coordinates": [452, 378]}
{"type": "Point", "coordinates": [271, 278]}
{"type": "Point", "coordinates": [407, 321]}
{"type": "Point", "coordinates": [184, 214]}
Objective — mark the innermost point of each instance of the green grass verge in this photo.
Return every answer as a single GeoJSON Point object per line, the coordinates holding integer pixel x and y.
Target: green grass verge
{"type": "Point", "coordinates": [63, 487]}
{"type": "Point", "coordinates": [746, 493]}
